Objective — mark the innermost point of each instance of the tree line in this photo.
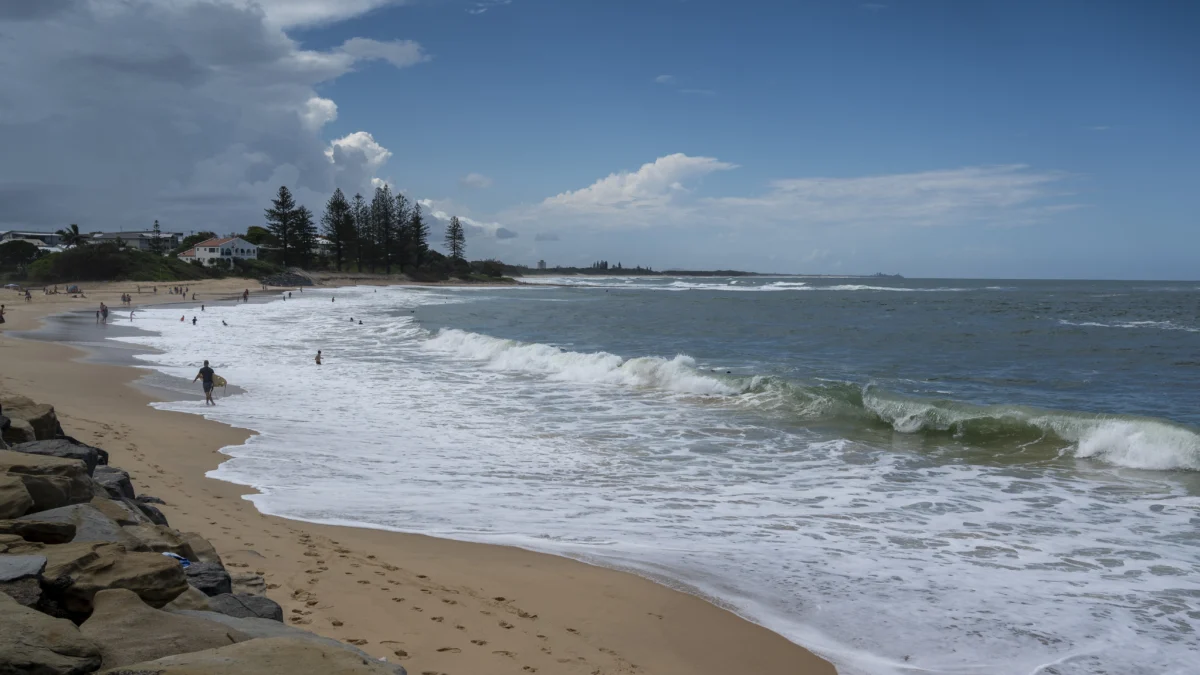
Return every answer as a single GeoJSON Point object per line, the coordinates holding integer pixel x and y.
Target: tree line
{"type": "Point", "coordinates": [387, 233]}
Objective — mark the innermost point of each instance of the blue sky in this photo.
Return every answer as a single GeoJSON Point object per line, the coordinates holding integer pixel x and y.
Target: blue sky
{"type": "Point", "coordinates": [930, 138]}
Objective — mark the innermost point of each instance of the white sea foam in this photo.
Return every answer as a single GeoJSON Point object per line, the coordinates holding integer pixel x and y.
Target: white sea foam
{"type": "Point", "coordinates": [1160, 325]}
{"type": "Point", "coordinates": [885, 561]}
{"type": "Point", "coordinates": [677, 374]}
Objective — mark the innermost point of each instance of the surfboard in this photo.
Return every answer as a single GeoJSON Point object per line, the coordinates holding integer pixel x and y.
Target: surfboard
{"type": "Point", "coordinates": [219, 381]}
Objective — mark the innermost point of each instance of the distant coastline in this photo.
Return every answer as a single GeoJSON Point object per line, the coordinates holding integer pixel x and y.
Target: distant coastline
{"type": "Point", "coordinates": [523, 271]}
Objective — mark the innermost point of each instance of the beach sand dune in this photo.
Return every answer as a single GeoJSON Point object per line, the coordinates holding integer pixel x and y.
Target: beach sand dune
{"type": "Point", "coordinates": [436, 606]}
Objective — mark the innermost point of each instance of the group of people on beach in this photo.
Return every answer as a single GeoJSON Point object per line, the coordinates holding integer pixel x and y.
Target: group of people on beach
{"type": "Point", "coordinates": [102, 313]}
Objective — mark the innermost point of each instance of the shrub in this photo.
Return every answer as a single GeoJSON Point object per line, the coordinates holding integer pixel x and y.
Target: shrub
{"type": "Point", "coordinates": [107, 262]}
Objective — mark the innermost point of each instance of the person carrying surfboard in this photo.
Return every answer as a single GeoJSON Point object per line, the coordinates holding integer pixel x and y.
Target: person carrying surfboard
{"type": "Point", "coordinates": [208, 374]}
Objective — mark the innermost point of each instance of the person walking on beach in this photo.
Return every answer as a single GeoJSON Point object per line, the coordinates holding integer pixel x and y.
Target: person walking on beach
{"type": "Point", "coordinates": [246, 295]}
{"type": "Point", "coordinates": [318, 357]}
{"type": "Point", "coordinates": [193, 321]}
{"type": "Point", "coordinates": [1, 313]}
{"type": "Point", "coordinates": [206, 373]}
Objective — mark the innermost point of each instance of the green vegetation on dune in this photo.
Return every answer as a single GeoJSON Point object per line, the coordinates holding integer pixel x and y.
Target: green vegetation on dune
{"type": "Point", "coordinates": [108, 262]}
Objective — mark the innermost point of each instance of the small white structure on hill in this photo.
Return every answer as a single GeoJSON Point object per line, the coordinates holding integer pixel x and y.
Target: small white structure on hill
{"type": "Point", "coordinates": [224, 248]}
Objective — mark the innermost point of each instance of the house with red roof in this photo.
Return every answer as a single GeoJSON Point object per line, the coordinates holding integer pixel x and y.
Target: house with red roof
{"type": "Point", "coordinates": [221, 248]}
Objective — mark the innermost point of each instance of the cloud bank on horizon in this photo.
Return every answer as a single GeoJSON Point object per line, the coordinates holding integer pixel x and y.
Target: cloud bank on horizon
{"type": "Point", "coordinates": [193, 112]}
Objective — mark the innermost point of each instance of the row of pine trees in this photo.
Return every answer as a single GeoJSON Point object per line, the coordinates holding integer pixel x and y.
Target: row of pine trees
{"type": "Point", "coordinates": [387, 233]}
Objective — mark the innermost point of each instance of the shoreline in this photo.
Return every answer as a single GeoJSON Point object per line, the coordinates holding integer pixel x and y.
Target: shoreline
{"type": "Point", "coordinates": [434, 605]}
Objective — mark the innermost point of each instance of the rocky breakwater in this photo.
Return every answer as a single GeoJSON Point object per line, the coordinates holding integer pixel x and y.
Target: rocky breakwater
{"type": "Point", "coordinates": [93, 579]}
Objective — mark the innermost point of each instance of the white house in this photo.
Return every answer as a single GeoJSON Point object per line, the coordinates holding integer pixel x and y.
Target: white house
{"type": "Point", "coordinates": [143, 241]}
{"type": "Point", "coordinates": [38, 239]}
{"type": "Point", "coordinates": [225, 248]}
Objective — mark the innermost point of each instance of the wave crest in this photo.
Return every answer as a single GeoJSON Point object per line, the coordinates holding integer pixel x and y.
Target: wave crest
{"type": "Point", "coordinates": [995, 430]}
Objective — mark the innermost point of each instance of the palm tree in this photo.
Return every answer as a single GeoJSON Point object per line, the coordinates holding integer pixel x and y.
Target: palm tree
{"type": "Point", "coordinates": [71, 236]}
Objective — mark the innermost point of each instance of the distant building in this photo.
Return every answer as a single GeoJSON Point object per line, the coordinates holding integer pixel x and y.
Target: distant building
{"type": "Point", "coordinates": [45, 238]}
{"type": "Point", "coordinates": [324, 247]}
{"type": "Point", "coordinates": [141, 241]}
{"type": "Point", "coordinates": [541, 264]}
{"type": "Point", "coordinates": [224, 248]}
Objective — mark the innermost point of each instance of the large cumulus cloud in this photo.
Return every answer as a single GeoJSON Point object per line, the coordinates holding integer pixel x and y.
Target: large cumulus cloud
{"type": "Point", "coordinates": [117, 112]}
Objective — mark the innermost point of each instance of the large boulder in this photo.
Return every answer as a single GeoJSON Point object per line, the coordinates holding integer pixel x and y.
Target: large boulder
{"type": "Point", "coordinates": [17, 567]}
{"type": "Point", "coordinates": [91, 525]}
{"type": "Point", "coordinates": [18, 431]}
{"type": "Point", "coordinates": [51, 481]}
{"type": "Point", "coordinates": [14, 498]}
{"type": "Point", "coordinates": [127, 630]}
{"type": "Point", "coordinates": [202, 548]}
{"type": "Point", "coordinates": [264, 656]}
{"type": "Point", "coordinates": [100, 452]}
{"type": "Point", "coordinates": [211, 578]}
{"type": "Point", "coordinates": [265, 628]}
{"type": "Point", "coordinates": [40, 416]}
{"type": "Point", "coordinates": [21, 576]}
{"type": "Point", "coordinates": [34, 643]}
{"type": "Point", "coordinates": [151, 512]}
{"type": "Point", "coordinates": [115, 481]}
{"type": "Point", "coordinates": [246, 606]}
{"type": "Point", "coordinates": [189, 599]}
{"type": "Point", "coordinates": [123, 511]}
{"type": "Point", "coordinates": [65, 448]}
{"type": "Point", "coordinates": [249, 583]}
{"type": "Point", "coordinates": [41, 531]}
{"type": "Point", "coordinates": [80, 571]}
{"type": "Point", "coordinates": [161, 539]}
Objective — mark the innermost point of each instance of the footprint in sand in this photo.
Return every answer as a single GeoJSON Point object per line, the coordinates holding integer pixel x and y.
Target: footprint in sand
{"type": "Point", "coordinates": [448, 601]}
{"type": "Point", "coordinates": [479, 642]}
{"type": "Point", "coordinates": [460, 627]}
{"type": "Point", "coordinates": [358, 642]}
{"type": "Point", "coordinates": [502, 652]}
{"type": "Point", "coordinates": [505, 625]}
{"type": "Point", "coordinates": [438, 619]}
{"type": "Point", "coordinates": [422, 576]}
{"type": "Point", "coordinates": [397, 599]}
{"type": "Point", "coordinates": [417, 609]}
{"type": "Point", "coordinates": [450, 650]}
{"type": "Point", "coordinates": [336, 623]}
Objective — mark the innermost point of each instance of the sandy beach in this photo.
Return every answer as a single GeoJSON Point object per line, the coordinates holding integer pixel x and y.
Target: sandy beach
{"type": "Point", "coordinates": [436, 606]}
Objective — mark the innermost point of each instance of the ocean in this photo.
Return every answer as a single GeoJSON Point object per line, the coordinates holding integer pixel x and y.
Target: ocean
{"type": "Point", "coordinates": [905, 476]}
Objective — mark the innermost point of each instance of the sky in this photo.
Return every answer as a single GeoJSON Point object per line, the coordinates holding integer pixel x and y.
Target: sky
{"type": "Point", "coordinates": [930, 138]}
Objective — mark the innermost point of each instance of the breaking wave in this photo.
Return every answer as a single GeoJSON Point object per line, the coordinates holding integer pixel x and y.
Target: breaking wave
{"type": "Point", "coordinates": [1031, 434]}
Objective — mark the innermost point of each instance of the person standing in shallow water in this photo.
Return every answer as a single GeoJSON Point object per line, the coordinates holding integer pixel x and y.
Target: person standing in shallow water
{"type": "Point", "coordinates": [207, 374]}
{"type": "Point", "coordinates": [318, 357]}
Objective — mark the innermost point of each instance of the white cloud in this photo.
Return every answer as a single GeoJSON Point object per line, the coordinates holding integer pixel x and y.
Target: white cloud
{"type": "Point", "coordinates": [947, 197]}
{"type": "Point", "coordinates": [485, 5]}
{"type": "Point", "coordinates": [206, 105]}
{"type": "Point", "coordinates": [653, 186]}
{"type": "Point", "coordinates": [292, 13]}
{"type": "Point", "coordinates": [443, 211]}
{"type": "Point", "coordinates": [399, 53]}
{"type": "Point", "coordinates": [318, 112]}
{"type": "Point", "coordinates": [665, 79]}
{"type": "Point", "coordinates": [475, 180]}
{"type": "Point", "coordinates": [659, 194]}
